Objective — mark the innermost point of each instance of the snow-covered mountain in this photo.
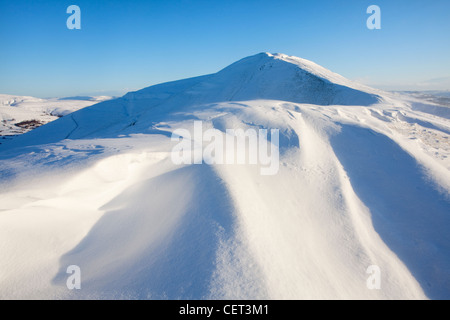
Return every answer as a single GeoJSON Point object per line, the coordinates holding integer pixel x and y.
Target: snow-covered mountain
{"type": "Point", "coordinates": [19, 114]}
{"type": "Point", "coordinates": [363, 180]}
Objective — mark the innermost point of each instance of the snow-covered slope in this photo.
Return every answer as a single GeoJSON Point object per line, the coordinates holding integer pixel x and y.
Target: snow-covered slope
{"type": "Point", "coordinates": [19, 114]}
{"type": "Point", "coordinates": [363, 179]}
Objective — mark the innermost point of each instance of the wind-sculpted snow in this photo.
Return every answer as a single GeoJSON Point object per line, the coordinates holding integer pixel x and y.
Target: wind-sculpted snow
{"type": "Point", "coordinates": [363, 180]}
{"type": "Point", "coordinates": [410, 215]}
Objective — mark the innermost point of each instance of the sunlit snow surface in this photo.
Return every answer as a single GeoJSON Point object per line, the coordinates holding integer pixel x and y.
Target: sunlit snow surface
{"type": "Point", "coordinates": [364, 180]}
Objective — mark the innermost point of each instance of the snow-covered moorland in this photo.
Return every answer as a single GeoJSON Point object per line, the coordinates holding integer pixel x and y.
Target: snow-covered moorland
{"type": "Point", "coordinates": [19, 114]}
{"type": "Point", "coordinates": [363, 179]}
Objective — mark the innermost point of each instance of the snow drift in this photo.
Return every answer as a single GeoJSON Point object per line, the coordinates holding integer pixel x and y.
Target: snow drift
{"type": "Point", "coordinates": [364, 180]}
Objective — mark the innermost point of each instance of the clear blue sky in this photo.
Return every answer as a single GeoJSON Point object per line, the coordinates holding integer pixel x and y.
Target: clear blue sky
{"type": "Point", "coordinates": [128, 45]}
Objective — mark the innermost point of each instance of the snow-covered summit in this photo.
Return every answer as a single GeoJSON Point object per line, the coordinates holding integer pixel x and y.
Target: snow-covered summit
{"type": "Point", "coordinates": [262, 76]}
{"type": "Point", "coordinates": [270, 76]}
